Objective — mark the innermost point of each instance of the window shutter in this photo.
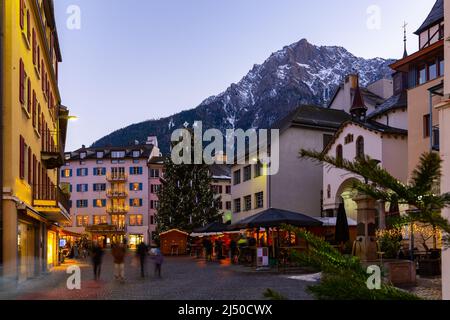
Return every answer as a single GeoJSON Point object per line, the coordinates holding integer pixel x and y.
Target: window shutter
{"type": "Point", "coordinates": [22, 82]}
{"type": "Point", "coordinates": [30, 182]}
{"type": "Point", "coordinates": [22, 158]}
{"type": "Point", "coordinates": [140, 170]}
{"type": "Point", "coordinates": [104, 202]}
{"type": "Point", "coordinates": [131, 202]}
{"type": "Point", "coordinates": [34, 46]}
{"type": "Point", "coordinates": [78, 172]}
{"type": "Point", "coordinates": [70, 172]}
{"type": "Point", "coordinates": [28, 26]}
{"type": "Point", "coordinates": [78, 188]}
{"type": "Point", "coordinates": [140, 186]}
{"type": "Point", "coordinates": [38, 58]}
{"type": "Point", "coordinates": [131, 187]}
{"type": "Point", "coordinates": [22, 14]}
{"type": "Point", "coordinates": [140, 202]}
{"type": "Point", "coordinates": [103, 171]}
{"type": "Point", "coordinates": [131, 170]}
{"type": "Point", "coordinates": [29, 96]}
{"type": "Point", "coordinates": [94, 204]}
{"type": "Point", "coordinates": [34, 109]}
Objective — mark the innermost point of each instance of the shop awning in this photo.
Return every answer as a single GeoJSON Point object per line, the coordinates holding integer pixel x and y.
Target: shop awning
{"type": "Point", "coordinates": [273, 217]}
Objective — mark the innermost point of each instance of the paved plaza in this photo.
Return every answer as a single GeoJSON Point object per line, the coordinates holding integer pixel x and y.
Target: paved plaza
{"type": "Point", "coordinates": [183, 278]}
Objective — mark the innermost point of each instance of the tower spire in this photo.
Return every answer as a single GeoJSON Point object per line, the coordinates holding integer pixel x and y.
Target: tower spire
{"type": "Point", "coordinates": [405, 39]}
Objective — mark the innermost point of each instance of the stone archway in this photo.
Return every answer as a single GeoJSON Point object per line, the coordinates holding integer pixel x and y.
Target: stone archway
{"type": "Point", "coordinates": [346, 193]}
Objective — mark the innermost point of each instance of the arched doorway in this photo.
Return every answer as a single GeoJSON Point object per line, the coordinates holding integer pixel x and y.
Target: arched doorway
{"type": "Point", "coordinates": [346, 193]}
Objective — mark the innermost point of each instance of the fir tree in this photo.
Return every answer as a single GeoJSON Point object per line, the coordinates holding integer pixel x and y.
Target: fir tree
{"type": "Point", "coordinates": [186, 198]}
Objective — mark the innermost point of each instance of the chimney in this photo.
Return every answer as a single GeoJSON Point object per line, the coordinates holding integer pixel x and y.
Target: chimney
{"type": "Point", "coordinates": [152, 140]}
{"type": "Point", "coordinates": [353, 80]}
{"type": "Point", "coordinates": [83, 146]}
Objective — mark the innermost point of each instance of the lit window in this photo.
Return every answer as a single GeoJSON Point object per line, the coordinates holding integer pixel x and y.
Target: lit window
{"type": "Point", "coordinates": [360, 147]}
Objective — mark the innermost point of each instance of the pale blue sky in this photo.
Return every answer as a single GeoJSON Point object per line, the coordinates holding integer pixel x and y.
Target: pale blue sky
{"type": "Point", "coordinates": [143, 59]}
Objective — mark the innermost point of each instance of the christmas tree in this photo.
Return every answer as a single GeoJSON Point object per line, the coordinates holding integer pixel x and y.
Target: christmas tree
{"type": "Point", "coordinates": [187, 200]}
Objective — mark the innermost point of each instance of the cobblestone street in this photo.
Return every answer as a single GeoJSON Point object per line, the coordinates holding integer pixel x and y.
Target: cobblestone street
{"type": "Point", "coordinates": [182, 278]}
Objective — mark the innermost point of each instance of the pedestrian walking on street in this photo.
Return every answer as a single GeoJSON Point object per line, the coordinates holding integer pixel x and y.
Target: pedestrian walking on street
{"type": "Point", "coordinates": [118, 251]}
{"type": "Point", "coordinates": [158, 260]}
{"type": "Point", "coordinates": [142, 252]}
{"type": "Point", "coordinates": [97, 257]}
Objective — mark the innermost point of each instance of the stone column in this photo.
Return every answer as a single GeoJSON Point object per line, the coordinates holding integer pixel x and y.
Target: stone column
{"type": "Point", "coordinates": [366, 245]}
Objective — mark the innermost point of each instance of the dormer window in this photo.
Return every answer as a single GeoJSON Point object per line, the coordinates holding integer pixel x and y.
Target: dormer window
{"type": "Point", "coordinates": [67, 156]}
{"type": "Point", "coordinates": [118, 154]}
{"type": "Point", "coordinates": [136, 154]}
{"type": "Point", "coordinates": [100, 154]}
{"type": "Point", "coordinates": [83, 155]}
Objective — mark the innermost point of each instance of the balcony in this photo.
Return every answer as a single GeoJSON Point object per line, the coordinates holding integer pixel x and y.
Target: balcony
{"type": "Point", "coordinates": [117, 209]}
{"type": "Point", "coordinates": [52, 202]}
{"type": "Point", "coordinates": [52, 154]}
{"type": "Point", "coordinates": [117, 177]}
{"type": "Point", "coordinates": [116, 194]}
{"type": "Point", "coordinates": [106, 228]}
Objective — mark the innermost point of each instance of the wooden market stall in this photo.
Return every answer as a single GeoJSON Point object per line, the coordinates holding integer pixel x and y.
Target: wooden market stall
{"type": "Point", "coordinates": [173, 242]}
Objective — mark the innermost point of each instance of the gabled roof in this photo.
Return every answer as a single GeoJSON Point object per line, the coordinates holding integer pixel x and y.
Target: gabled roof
{"type": "Point", "coordinates": [91, 153]}
{"type": "Point", "coordinates": [370, 125]}
{"type": "Point", "coordinates": [173, 230]}
{"type": "Point", "coordinates": [157, 160]}
{"type": "Point", "coordinates": [366, 93]}
{"type": "Point", "coordinates": [313, 116]}
{"type": "Point", "coordinates": [398, 101]}
{"type": "Point", "coordinates": [436, 15]}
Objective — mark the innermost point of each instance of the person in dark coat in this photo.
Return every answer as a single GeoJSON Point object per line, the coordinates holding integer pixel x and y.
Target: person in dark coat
{"type": "Point", "coordinates": [142, 252]}
{"type": "Point", "coordinates": [233, 250]}
{"type": "Point", "coordinates": [97, 257]}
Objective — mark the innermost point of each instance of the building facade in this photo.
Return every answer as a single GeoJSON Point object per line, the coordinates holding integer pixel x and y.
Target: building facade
{"type": "Point", "coordinates": [381, 134]}
{"type": "Point", "coordinates": [297, 186]}
{"type": "Point", "coordinates": [109, 193]}
{"type": "Point", "coordinates": [34, 131]}
{"type": "Point", "coordinates": [155, 173]}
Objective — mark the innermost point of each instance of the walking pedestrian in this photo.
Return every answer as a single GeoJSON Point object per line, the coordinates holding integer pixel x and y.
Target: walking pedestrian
{"type": "Point", "coordinates": [158, 260]}
{"type": "Point", "coordinates": [97, 257]}
{"type": "Point", "coordinates": [118, 252]}
{"type": "Point", "coordinates": [142, 252]}
{"type": "Point", "coordinates": [233, 250]}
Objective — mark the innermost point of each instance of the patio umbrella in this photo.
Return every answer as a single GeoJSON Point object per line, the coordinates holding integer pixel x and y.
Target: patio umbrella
{"type": "Point", "coordinates": [273, 218]}
{"type": "Point", "coordinates": [215, 227]}
{"type": "Point", "coordinates": [342, 233]}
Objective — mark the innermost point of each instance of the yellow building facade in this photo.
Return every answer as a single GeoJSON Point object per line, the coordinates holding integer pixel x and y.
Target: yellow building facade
{"type": "Point", "coordinates": [34, 132]}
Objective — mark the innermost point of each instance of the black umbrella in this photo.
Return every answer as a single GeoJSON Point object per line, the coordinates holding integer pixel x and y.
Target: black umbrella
{"type": "Point", "coordinates": [272, 218]}
{"type": "Point", "coordinates": [342, 233]}
{"type": "Point", "coordinates": [215, 227]}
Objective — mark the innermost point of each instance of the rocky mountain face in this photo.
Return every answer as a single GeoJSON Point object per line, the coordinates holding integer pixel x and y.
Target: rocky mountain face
{"type": "Point", "coordinates": [301, 73]}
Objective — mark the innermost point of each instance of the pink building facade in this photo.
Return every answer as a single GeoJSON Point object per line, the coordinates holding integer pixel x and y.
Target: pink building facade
{"type": "Point", "coordinates": [110, 193]}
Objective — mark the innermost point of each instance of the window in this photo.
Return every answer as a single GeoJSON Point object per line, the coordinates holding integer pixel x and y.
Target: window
{"type": "Point", "coordinates": [154, 173]}
{"type": "Point", "coordinates": [155, 188]}
{"type": "Point", "coordinates": [247, 203]}
{"type": "Point", "coordinates": [152, 220]}
{"type": "Point", "coordinates": [349, 139]}
{"type": "Point", "coordinates": [228, 189]}
{"type": "Point", "coordinates": [258, 169]}
{"type": "Point", "coordinates": [237, 177]}
{"type": "Point", "coordinates": [118, 220]}
{"type": "Point", "coordinates": [228, 205]}
{"type": "Point", "coordinates": [136, 186]}
{"type": "Point", "coordinates": [154, 204]}
{"type": "Point", "coordinates": [259, 200]}
{"type": "Point", "coordinates": [82, 172]}
{"type": "Point", "coordinates": [237, 205]}
{"type": "Point", "coordinates": [426, 126]}
{"type": "Point", "coordinates": [247, 173]}
{"type": "Point", "coordinates": [83, 155]}
{"type": "Point", "coordinates": [360, 147]}
{"type": "Point", "coordinates": [22, 147]}
{"type": "Point", "coordinates": [135, 202]}
{"type": "Point", "coordinates": [82, 203]}
{"type": "Point", "coordinates": [100, 220]}
{"type": "Point", "coordinates": [82, 221]}
{"type": "Point", "coordinates": [136, 220]}
{"type": "Point", "coordinates": [136, 154]}
{"type": "Point", "coordinates": [136, 170]}
{"type": "Point", "coordinates": [99, 187]}
{"type": "Point", "coordinates": [441, 67]}
{"type": "Point", "coordinates": [99, 171]}
{"type": "Point", "coordinates": [432, 71]}
{"type": "Point", "coordinates": [100, 154]}
{"type": "Point", "coordinates": [82, 188]}
{"type": "Point", "coordinates": [422, 75]}
{"type": "Point", "coordinates": [339, 153]}
{"type": "Point", "coordinates": [219, 205]}
{"type": "Point", "coordinates": [99, 203]}
{"type": "Point", "coordinates": [66, 173]}
{"type": "Point", "coordinates": [117, 154]}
